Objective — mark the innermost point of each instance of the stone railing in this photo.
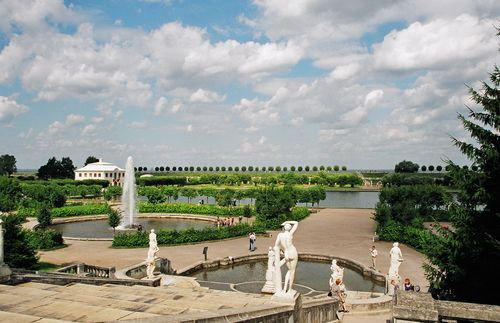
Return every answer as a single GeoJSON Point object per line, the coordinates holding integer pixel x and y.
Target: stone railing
{"type": "Point", "coordinates": [88, 271]}
{"type": "Point", "coordinates": [421, 307]}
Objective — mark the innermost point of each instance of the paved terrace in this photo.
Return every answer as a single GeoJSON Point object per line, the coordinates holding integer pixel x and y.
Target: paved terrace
{"type": "Point", "coordinates": [339, 232]}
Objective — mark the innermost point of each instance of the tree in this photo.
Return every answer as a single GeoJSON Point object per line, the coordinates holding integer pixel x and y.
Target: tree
{"type": "Point", "coordinates": [307, 168]}
{"type": "Point", "coordinates": [292, 168]}
{"type": "Point", "coordinates": [10, 193]}
{"type": "Point", "coordinates": [236, 168]}
{"type": "Point", "coordinates": [167, 168]}
{"type": "Point", "coordinates": [114, 219]}
{"type": "Point", "coordinates": [112, 192]}
{"type": "Point", "coordinates": [43, 216]}
{"type": "Point", "coordinates": [406, 166]}
{"type": "Point", "coordinates": [157, 169]}
{"type": "Point", "coordinates": [423, 168]}
{"type": "Point", "coordinates": [57, 169]}
{"type": "Point", "coordinates": [90, 160]}
{"type": "Point", "coordinates": [285, 169]}
{"type": "Point", "coordinates": [162, 168]}
{"type": "Point", "coordinates": [7, 165]}
{"type": "Point", "coordinates": [19, 253]}
{"type": "Point", "coordinates": [336, 168]}
{"type": "Point", "coordinates": [223, 168]}
{"type": "Point", "coordinates": [299, 168]}
{"type": "Point", "coordinates": [329, 168]}
{"type": "Point", "coordinates": [461, 260]}
{"type": "Point", "coordinates": [270, 168]}
{"type": "Point", "coordinates": [230, 168]}
{"type": "Point", "coordinates": [439, 168]}
{"type": "Point", "coordinates": [344, 168]}
{"type": "Point", "coordinates": [191, 168]}
{"type": "Point", "coordinates": [210, 169]}
{"type": "Point", "coordinates": [315, 168]}
{"type": "Point", "coordinates": [431, 168]}
{"type": "Point", "coordinates": [250, 168]}
{"type": "Point", "coordinates": [217, 168]}
{"type": "Point", "coordinates": [198, 169]}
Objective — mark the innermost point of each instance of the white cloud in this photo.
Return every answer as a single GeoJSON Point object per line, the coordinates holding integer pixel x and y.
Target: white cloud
{"type": "Point", "coordinates": [437, 44]}
{"type": "Point", "coordinates": [205, 96]}
{"type": "Point", "coordinates": [138, 124]}
{"type": "Point", "coordinates": [89, 130]}
{"type": "Point", "coordinates": [74, 119]}
{"type": "Point", "coordinates": [55, 127]}
{"type": "Point", "coordinates": [9, 109]}
{"type": "Point", "coordinates": [160, 106]}
{"type": "Point", "coordinates": [189, 128]}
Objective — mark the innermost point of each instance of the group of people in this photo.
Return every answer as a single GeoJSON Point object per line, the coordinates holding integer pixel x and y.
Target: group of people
{"type": "Point", "coordinates": [225, 222]}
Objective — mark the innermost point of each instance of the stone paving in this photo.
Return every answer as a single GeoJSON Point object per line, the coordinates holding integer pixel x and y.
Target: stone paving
{"type": "Point", "coordinates": [339, 232]}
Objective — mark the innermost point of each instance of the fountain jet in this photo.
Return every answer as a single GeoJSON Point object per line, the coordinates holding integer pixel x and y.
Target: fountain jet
{"type": "Point", "coordinates": [129, 196]}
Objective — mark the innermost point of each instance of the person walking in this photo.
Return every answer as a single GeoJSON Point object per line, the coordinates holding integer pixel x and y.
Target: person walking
{"type": "Point", "coordinates": [374, 254]}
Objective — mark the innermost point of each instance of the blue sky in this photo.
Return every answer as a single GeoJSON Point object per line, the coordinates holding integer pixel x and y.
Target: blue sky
{"type": "Point", "coordinates": [319, 82]}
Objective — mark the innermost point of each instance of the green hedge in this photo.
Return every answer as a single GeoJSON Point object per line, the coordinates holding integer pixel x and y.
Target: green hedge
{"type": "Point", "coordinates": [191, 209]}
{"type": "Point", "coordinates": [297, 214]}
{"type": "Point", "coordinates": [44, 239]}
{"type": "Point", "coordinates": [412, 235]}
{"type": "Point", "coordinates": [76, 210]}
{"type": "Point", "coordinates": [171, 237]}
{"type": "Point", "coordinates": [161, 180]}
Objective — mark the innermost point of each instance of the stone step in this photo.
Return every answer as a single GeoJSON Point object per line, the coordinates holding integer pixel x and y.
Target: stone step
{"type": "Point", "coordinates": [98, 300]}
{"type": "Point", "coordinates": [22, 318]}
{"type": "Point", "coordinates": [227, 297]}
{"type": "Point", "coordinates": [48, 307]}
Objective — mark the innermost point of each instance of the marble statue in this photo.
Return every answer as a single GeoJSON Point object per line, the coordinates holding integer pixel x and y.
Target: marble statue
{"type": "Point", "coordinates": [269, 285]}
{"type": "Point", "coordinates": [153, 249]}
{"type": "Point", "coordinates": [396, 260]}
{"type": "Point", "coordinates": [337, 273]}
{"type": "Point", "coordinates": [284, 244]}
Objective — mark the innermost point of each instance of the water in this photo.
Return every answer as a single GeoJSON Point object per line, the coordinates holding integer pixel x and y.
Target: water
{"type": "Point", "coordinates": [129, 196]}
{"type": "Point", "coordinates": [101, 228]}
{"type": "Point", "coordinates": [336, 199]}
{"type": "Point", "coordinates": [310, 276]}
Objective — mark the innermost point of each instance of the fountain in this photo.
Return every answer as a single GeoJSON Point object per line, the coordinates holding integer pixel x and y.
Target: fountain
{"type": "Point", "coordinates": [129, 196]}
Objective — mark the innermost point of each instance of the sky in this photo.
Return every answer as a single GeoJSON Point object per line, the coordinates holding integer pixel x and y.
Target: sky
{"type": "Point", "coordinates": [364, 84]}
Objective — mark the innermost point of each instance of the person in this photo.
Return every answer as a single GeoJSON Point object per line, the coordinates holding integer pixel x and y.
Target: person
{"type": "Point", "coordinates": [396, 260]}
{"type": "Point", "coordinates": [284, 242]}
{"type": "Point", "coordinates": [253, 239]}
{"type": "Point", "coordinates": [338, 289]}
{"type": "Point", "coordinates": [408, 286]}
{"type": "Point", "coordinates": [240, 218]}
{"type": "Point", "coordinates": [395, 285]}
{"type": "Point", "coordinates": [374, 254]}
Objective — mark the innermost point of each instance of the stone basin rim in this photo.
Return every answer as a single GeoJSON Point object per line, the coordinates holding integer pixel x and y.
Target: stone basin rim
{"type": "Point", "coordinates": [83, 218]}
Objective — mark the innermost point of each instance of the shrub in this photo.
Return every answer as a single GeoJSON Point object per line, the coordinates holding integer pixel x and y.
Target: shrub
{"type": "Point", "coordinates": [43, 216]}
{"type": "Point", "coordinates": [170, 237]}
{"type": "Point", "coordinates": [44, 239]}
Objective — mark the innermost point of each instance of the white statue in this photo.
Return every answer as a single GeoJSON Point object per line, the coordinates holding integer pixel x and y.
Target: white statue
{"type": "Point", "coordinates": [337, 273]}
{"type": "Point", "coordinates": [396, 260]}
{"type": "Point", "coordinates": [269, 285]}
{"type": "Point", "coordinates": [284, 243]}
{"type": "Point", "coordinates": [153, 249]}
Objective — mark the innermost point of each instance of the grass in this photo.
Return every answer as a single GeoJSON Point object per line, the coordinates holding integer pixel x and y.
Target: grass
{"type": "Point", "coordinates": [47, 267]}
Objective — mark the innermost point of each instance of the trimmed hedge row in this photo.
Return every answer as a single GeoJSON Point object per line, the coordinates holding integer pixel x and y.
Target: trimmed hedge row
{"type": "Point", "coordinates": [76, 210]}
{"type": "Point", "coordinates": [162, 180]}
{"type": "Point", "coordinates": [70, 210]}
{"type": "Point", "coordinates": [171, 237]}
{"type": "Point", "coordinates": [191, 209]}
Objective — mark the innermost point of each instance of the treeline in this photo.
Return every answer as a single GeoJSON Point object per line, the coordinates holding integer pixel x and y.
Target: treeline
{"type": "Point", "coordinates": [335, 168]}
{"type": "Point", "coordinates": [322, 178]}
{"type": "Point", "coordinates": [226, 197]}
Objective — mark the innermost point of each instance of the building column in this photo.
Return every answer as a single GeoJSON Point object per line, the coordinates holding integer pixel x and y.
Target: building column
{"type": "Point", "coordinates": [4, 269]}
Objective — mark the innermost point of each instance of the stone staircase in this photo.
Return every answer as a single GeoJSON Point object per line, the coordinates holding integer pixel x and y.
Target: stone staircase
{"type": "Point", "coordinates": [39, 302]}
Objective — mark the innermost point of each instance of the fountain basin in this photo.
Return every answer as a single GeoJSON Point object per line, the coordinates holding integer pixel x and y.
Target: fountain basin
{"type": "Point", "coordinates": [97, 228]}
{"type": "Point", "coordinates": [247, 274]}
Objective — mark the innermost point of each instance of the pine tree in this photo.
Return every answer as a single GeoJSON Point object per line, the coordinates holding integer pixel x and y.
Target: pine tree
{"type": "Point", "coordinates": [462, 260]}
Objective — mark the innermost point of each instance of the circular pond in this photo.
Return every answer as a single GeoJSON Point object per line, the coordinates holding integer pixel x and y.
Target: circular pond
{"type": "Point", "coordinates": [311, 278]}
{"type": "Point", "coordinates": [101, 228]}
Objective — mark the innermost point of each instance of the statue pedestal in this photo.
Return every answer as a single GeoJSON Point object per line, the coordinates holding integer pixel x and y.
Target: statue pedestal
{"type": "Point", "coordinates": [287, 298]}
{"type": "Point", "coordinates": [4, 270]}
{"type": "Point", "coordinates": [269, 285]}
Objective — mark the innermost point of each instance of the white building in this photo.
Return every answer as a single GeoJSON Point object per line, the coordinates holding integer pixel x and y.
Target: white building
{"type": "Point", "coordinates": [101, 170]}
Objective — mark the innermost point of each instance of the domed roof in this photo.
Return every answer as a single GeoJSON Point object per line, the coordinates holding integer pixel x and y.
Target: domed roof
{"type": "Point", "coordinates": [100, 166]}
